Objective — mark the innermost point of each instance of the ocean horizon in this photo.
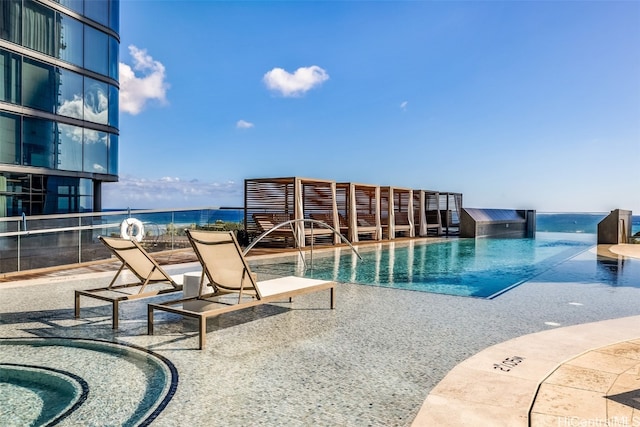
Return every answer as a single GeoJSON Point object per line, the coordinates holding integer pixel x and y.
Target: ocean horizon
{"type": "Point", "coordinates": [554, 222]}
{"type": "Point", "coordinates": [578, 222]}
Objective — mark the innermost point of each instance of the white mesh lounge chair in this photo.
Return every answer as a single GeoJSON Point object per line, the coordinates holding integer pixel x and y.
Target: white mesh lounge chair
{"type": "Point", "coordinates": [137, 261]}
{"type": "Point", "coordinates": [230, 285]}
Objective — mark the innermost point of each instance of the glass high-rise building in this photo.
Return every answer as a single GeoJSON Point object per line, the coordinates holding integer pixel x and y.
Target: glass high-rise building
{"type": "Point", "coordinates": [58, 104]}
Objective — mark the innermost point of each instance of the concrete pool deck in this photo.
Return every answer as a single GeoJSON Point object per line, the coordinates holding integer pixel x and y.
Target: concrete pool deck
{"type": "Point", "coordinates": [578, 375]}
{"type": "Point", "coordinates": [383, 356]}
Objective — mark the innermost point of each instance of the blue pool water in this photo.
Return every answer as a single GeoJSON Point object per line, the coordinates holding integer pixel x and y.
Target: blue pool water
{"type": "Point", "coordinates": [481, 268]}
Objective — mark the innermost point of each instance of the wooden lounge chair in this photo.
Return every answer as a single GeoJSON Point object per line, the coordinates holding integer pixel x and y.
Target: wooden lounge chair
{"type": "Point", "coordinates": [267, 221]}
{"type": "Point", "coordinates": [402, 223]}
{"type": "Point", "coordinates": [138, 262]}
{"type": "Point", "coordinates": [235, 287]}
{"type": "Point", "coordinates": [367, 225]}
{"type": "Point", "coordinates": [327, 218]}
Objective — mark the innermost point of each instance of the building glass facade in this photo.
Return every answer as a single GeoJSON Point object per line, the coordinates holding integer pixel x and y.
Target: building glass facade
{"type": "Point", "coordinates": [58, 104]}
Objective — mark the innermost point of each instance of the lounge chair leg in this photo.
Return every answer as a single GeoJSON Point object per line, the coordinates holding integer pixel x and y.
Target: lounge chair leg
{"type": "Point", "coordinates": [203, 333]}
{"type": "Point", "coordinates": [115, 315]}
{"type": "Point", "coordinates": [149, 319]}
{"type": "Point", "coordinates": [333, 298]}
{"type": "Point", "coordinates": [76, 312]}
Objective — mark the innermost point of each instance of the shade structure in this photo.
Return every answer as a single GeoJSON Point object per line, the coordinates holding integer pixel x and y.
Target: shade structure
{"type": "Point", "coordinates": [360, 205]}
{"type": "Point", "coordinates": [292, 198]}
{"type": "Point", "coordinates": [358, 211]}
{"type": "Point", "coordinates": [450, 206]}
{"type": "Point", "coordinates": [396, 211]}
{"type": "Point", "coordinates": [426, 213]}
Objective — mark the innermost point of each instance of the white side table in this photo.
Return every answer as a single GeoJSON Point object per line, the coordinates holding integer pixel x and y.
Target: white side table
{"type": "Point", "coordinates": [190, 288]}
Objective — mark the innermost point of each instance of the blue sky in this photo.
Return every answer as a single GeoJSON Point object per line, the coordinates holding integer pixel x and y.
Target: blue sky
{"type": "Point", "coordinates": [515, 104]}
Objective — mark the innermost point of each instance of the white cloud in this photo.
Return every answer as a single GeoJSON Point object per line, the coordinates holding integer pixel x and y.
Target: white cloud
{"type": "Point", "coordinates": [403, 105]}
{"type": "Point", "coordinates": [169, 179]}
{"type": "Point", "coordinates": [144, 82]}
{"type": "Point", "coordinates": [243, 124]}
{"type": "Point", "coordinates": [296, 84]}
{"type": "Point", "coordinates": [169, 192]}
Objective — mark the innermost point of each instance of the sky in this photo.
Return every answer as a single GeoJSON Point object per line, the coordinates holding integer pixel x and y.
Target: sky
{"type": "Point", "coordinates": [515, 104]}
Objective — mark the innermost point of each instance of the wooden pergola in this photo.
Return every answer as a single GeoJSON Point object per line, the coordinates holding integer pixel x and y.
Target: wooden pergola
{"type": "Point", "coordinates": [356, 210]}
{"type": "Point", "coordinates": [426, 213]}
{"type": "Point", "coordinates": [291, 198]}
{"type": "Point", "coordinates": [450, 206]}
{"type": "Point", "coordinates": [396, 210]}
{"type": "Point", "coordinates": [359, 204]}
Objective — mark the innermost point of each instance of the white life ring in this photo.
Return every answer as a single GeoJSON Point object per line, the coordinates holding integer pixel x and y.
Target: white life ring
{"type": "Point", "coordinates": [132, 228]}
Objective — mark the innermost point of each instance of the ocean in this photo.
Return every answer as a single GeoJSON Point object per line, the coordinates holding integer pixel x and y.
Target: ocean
{"type": "Point", "coordinates": [575, 222]}
{"type": "Point", "coordinates": [545, 222]}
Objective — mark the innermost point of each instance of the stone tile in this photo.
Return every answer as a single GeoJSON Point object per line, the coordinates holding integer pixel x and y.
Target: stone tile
{"type": "Point", "coordinates": [509, 361]}
{"type": "Point", "coordinates": [569, 402]}
{"type": "Point", "coordinates": [625, 397]}
{"type": "Point", "coordinates": [488, 388]}
{"type": "Point", "coordinates": [546, 420]}
{"type": "Point", "coordinates": [623, 349]}
{"type": "Point", "coordinates": [619, 411]}
{"type": "Point", "coordinates": [443, 412]}
{"type": "Point", "coordinates": [604, 362]}
{"type": "Point", "coordinates": [546, 346]}
{"type": "Point", "coordinates": [582, 378]}
{"type": "Point", "coordinates": [627, 381]}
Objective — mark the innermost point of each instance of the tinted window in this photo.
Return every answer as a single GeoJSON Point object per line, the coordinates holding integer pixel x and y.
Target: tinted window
{"type": "Point", "coordinates": [95, 151]}
{"type": "Point", "coordinates": [98, 10]}
{"type": "Point", "coordinates": [96, 101]}
{"type": "Point", "coordinates": [75, 5]}
{"type": "Point", "coordinates": [38, 85]}
{"type": "Point", "coordinates": [38, 142]}
{"type": "Point", "coordinates": [113, 154]}
{"type": "Point", "coordinates": [69, 147]}
{"type": "Point", "coordinates": [113, 106]}
{"type": "Point", "coordinates": [69, 94]}
{"type": "Point", "coordinates": [96, 50]}
{"type": "Point", "coordinates": [114, 15]}
{"type": "Point", "coordinates": [10, 65]}
{"type": "Point", "coordinates": [9, 139]}
{"type": "Point", "coordinates": [10, 20]}
{"type": "Point", "coordinates": [114, 55]}
{"type": "Point", "coordinates": [70, 46]}
{"type": "Point", "coordinates": [39, 28]}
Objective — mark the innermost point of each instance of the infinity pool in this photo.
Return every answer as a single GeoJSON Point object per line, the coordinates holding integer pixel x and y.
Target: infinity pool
{"type": "Point", "coordinates": [482, 268]}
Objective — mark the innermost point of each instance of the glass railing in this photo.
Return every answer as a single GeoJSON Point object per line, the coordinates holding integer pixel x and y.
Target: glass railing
{"type": "Point", "coordinates": [32, 242]}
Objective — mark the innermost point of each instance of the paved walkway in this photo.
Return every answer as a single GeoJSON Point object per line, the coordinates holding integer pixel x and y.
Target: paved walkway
{"type": "Point", "coordinates": [578, 375]}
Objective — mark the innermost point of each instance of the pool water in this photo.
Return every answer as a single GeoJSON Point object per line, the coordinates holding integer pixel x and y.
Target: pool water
{"type": "Point", "coordinates": [33, 395]}
{"type": "Point", "coordinates": [72, 381]}
{"type": "Point", "coordinates": [482, 268]}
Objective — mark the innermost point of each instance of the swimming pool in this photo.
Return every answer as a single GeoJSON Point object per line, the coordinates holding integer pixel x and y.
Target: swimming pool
{"type": "Point", "coordinates": [482, 268]}
{"type": "Point", "coordinates": [73, 381]}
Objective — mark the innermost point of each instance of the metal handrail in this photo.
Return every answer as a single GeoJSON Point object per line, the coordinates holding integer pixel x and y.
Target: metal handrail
{"type": "Point", "coordinates": [15, 230]}
{"type": "Point", "coordinates": [116, 212]}
{"type": "Point", "coordinates": [290, 223]}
